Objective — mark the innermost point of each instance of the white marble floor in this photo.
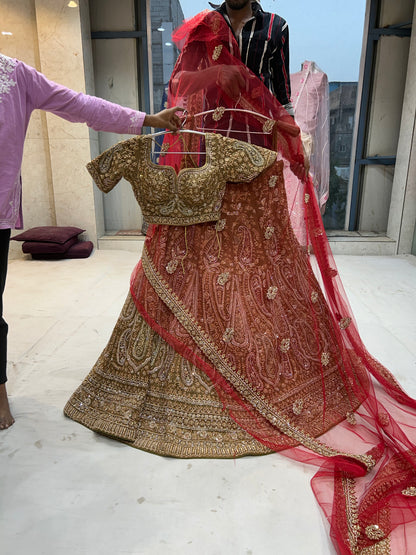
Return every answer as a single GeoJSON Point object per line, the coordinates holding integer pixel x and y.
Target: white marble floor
{"type": "Point", "coordinates": [66, 490]}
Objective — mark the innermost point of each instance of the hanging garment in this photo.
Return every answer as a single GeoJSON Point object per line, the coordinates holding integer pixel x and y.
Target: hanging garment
{"type": "Point", "coordinates": [237, 337]}
{"type": "Point", "coordinates": [310, 99]}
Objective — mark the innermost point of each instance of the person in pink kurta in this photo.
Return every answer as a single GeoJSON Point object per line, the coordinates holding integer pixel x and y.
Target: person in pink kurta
{"type": "Point", "coordinates": [22, 90]}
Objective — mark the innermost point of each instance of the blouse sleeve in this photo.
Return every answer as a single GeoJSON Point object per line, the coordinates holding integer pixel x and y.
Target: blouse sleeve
{"type": "Point", "coordinates": [241, 161]}
{"type": "Point", "coordinates": [113, 164]}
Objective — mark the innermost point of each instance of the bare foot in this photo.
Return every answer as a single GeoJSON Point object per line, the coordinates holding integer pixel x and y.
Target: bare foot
{"type": "Point", "coordinates": [6, 418]}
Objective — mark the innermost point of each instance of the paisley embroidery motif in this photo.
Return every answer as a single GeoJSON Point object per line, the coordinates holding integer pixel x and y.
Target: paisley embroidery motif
{"type": "Point", "coordinates": [223, 278]}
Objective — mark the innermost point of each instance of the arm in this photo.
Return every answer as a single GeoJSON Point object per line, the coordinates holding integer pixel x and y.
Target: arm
{"type": "Point", "coordinates": [97, 113]}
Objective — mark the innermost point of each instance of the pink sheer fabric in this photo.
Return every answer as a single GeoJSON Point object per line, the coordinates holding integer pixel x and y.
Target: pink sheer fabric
{"type": "Point", "coordinates": [310, 99]}
{"type": "Point", "coordinates": [255, 301]}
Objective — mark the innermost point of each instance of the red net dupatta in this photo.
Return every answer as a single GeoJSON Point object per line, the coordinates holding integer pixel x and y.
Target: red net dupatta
{"type": "Point", "coordinates": [255, 301]}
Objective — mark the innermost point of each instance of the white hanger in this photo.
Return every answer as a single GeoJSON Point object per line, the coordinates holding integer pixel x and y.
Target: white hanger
{"type": "Point", "coordinates": [230, 130]}
{"type": "Point", "coordinates": [177, 133]}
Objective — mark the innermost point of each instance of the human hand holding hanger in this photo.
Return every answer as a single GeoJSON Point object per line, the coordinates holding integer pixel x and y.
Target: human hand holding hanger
{"type": "Point", "coordinates": [166, 119]}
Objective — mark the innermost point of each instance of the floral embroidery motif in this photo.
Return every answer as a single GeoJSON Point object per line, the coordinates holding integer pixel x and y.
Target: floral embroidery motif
{"type": "Point", "coordinates": [217, 52]}
{"type": "Point", "coordinates": [164, 148]}
{"type": "Point", "coordinates": [325, 358]}
{"type": "Point", "coordinates": [269, 232]}
{"type": "Point", "coordinates": [272, 292]}
{"type": "Point", "coordinates": [350, 416]}
{"type": "Point", "coordinates": [318, 232]}
{"type": "Point", "coordinates": [285, 345]}
{"type": "Point", "coordinates": [228, 335]}
{"type": "Point", "coordinates": [218, 113]}
{"type": "Point", "coordinates": [307, 198]}
{"type": "Point", "coordinates": [273, 181]}
{"type": "Point", "coordinates": [383, 419]}
{"type": "Point", "coordinates": [331, 272]}
{"type": "Point", "coordinates": [268, 126]}
{"type": "Point", "coordinates": [223, 278]}
{"type": "Point", "coordinates": [297, 407]}
{"type": "Point", "coordinates": [220, 225]}
{"type": "Point", "coordinates": [215, 25]}
{"type": "Point", "coordinates": [172, 266]}
{"type": "Point", "coordinates": [7, 66]}
{"type": "Point", "coordinates": [410, 491]}
{"type": "Point", "coordinates": [314, 296]}
{"type": "Point", "coordinates": [345, 322]}
{"type": "Point", "coordinates": [374, 532]}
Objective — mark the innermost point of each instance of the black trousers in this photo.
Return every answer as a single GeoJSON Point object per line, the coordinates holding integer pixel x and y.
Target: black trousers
{"type": "Point", "coordinates": [4, 253]}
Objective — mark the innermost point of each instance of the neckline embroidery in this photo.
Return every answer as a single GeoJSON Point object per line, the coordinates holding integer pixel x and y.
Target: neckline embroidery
{"type": "Point", "coordinates": [7, 66]}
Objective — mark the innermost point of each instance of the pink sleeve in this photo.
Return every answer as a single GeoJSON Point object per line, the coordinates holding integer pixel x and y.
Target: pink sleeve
{"type": "Point", "coordinates": [97, 113]}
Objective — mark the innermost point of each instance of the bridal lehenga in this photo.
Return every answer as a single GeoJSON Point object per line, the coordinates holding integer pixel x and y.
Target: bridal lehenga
{"type": "Point", "coordinates": [236, 337]}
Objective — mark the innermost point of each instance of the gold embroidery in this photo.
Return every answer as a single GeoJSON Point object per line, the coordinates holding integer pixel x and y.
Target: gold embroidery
{"type": "Point", "coordinates": [383, 419]}
{"type": "Point", "coordinates": [351, 510]}
{"type": "Point", "coordinates": [220, 225]}
{"type": "Point", "coordinates": [297, 407]}
{"type": "Point", "coordinates": [285, 345]}
{"type": "Point", "coordinates": [350, 416]}
{"type": "Point", "coordinates": [223, 278]}
{"type": "Point", "coordinates": [314, 296]}
{"type": "Point", "coordinates": [269, 232]}
{"type": "Point", "coordinates": [215, 25]}
{"type": "Point", "coordinates": [380, 548]}
{"type": "Point", "coordinates": [273, 181]}
{"type": "Point", "coordinates": [228, 335]}
{"type": "Point", "coordinates": [218, 113]}
{"type": "Point", "coordinates": [410, 491]}
{"type": "Point", "coordinates": [374, 532]}
{"type": "Point", "coordinates": [172, 266]}
{"type": "Point", "coordinates": [325, 358]}
{"type": "Point", "coordinates": [307, 198]}
{"type": "Point", "coordinates": [217, 52]}
{"type": "Point", "coordinates": [218, 359]}
{"type": "Point", "coordinates": [345, 322]}
{"type": "Point", "coordinates": [268, 126]}
{"type": "Point", "coordinates": [164, 148]}
{"type": "Point", "coordinates": [254, 154]}
{"type": "Point", "coordinates": [331, 272]}
{"type": "Point", "coordinates": [194, 194]}
{"type": "Point", "coordinates": [272, 292]}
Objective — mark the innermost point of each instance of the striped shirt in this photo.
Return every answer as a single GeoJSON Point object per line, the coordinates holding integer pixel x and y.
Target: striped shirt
{"type": "Point", "coordinates": [264, 48]}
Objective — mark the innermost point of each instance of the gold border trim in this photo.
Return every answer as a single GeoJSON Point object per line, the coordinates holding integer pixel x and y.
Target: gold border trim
{"type": "Point", "coordinates": [351, 510]}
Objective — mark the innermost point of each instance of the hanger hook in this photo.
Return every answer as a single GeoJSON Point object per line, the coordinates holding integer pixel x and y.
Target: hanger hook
{"type": "Point", "coordinates": [185, 114]}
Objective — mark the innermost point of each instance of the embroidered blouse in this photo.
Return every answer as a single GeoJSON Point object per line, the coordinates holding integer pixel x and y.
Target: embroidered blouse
{"type": "Point", "coordinates": [22, 90]}
{"type": "Point", "coordinates": [194, 195]}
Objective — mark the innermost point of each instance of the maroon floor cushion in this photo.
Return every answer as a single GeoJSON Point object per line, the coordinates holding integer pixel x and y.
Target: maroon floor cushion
{"type": "Point", "coordinates": [81, 249]}
{"type": "Point", "coordinates": [45, 247]}
{"type": "Point", "coordinates": [49, 234]}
